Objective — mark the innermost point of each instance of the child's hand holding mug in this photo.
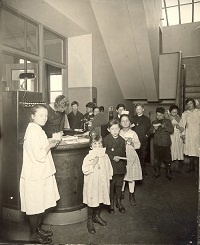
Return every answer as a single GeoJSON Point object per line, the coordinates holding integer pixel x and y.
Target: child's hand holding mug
{"type": "Point", "coordinates": [129, 141]}
{"type": "Point", "coordinates": [116, 159]}
{"type": "Point", "coordinates": [156, 126]}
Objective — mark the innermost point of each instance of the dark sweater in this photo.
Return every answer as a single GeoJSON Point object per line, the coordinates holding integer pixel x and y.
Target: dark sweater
{"type": "Point", "coordinates": [55, 122]}
{"type": "Point", "coordinates": [75, 120]}
{"type": "Point", "coordinates": [142, 128]}
{"type": "Point", "coordinates": [162, 135]}
{"type": "Point", "coordinates": [116, 147]}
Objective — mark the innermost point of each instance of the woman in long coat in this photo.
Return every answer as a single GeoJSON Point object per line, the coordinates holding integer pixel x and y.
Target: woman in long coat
{"type": "Point", "coordinates": [191, 123]}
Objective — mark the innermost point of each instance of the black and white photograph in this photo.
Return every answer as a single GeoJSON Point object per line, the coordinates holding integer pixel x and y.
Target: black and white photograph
{"type": "Point", "coordinates": [100, 122]}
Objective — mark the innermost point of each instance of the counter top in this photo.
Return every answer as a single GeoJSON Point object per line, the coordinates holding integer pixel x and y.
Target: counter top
{"type": "Point", "coordinates": [72, 144]}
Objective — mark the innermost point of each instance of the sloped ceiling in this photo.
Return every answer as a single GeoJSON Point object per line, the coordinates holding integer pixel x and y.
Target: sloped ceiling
{"type": "Point", "coordinates": [123, 28]}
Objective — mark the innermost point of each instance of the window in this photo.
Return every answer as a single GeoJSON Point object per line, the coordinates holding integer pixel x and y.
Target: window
{"type": "Point", "coordinates": [19, 33]}
{"type": "Point", "coordinates": [176, 12]}
{"type": "Point", "coordinates": [55, 86]}
{"type": "Point", "coordinates": [55, 81]}
{"type": "Point", "coordinates": [53, 46]}
{"type": "Point", "coordinates": [12, 66]}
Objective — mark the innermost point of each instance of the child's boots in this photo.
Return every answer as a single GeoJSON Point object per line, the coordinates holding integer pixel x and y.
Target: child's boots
{"type": "Point", "coordinates": [111, 207]}
{"type": "Point", "coordinates": [98, 219]}
{"type": "Point", "coordinates": [37, 238]}
{"type": "Point", "coordinates": [132, 199]}
{"type": "Point", "coordinates": [120, 206]}
{"type": "Point", "coordinates": [157, 174]}
{"type": "Point", "coordinates": [90, 225]}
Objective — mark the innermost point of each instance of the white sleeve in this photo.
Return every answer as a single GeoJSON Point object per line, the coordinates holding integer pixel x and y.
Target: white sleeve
{"type": "Point", "coordinates": [35, 144]}
{"type": "Point", "coordinates": [136, 141]}
{"type": "Point", "coordinates": [87, 167]}
{"type": "Point", "coordinates": [183, 117]}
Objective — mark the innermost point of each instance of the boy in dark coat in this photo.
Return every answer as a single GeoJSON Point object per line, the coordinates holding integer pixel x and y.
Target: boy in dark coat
{"type": "Point", "coordinates": [115, 148]}
{"type": "Point", "coordinates": [161, 129]}
{"type": "Point", "coordinates": [141, 125]}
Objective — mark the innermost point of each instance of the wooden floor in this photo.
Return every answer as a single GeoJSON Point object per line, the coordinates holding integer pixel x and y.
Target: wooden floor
{"type": "Point", "coordinates": [166, 213]}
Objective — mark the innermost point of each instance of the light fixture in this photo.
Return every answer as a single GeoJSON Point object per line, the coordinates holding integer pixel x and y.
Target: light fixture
{"type": "Point", "coordinates": [25, 76]}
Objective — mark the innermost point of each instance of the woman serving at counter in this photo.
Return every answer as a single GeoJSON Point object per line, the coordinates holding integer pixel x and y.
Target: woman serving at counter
{"type": "Point", "coordinates": [56, 116]}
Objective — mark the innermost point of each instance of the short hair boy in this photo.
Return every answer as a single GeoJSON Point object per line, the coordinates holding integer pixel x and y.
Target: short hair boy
{"type": "Point", "coordinates": [115, 148]}
{"type": "Point", "coordinates": [161, 129]}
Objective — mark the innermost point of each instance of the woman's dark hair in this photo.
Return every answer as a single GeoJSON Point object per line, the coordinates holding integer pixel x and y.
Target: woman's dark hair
{"type": "Point", "coordinates": [101, 108]}
{"type": "Point", "coordinates": [192, 100]}
{"type": "Point", "coordinates": [113, 122]}
{"type": "Point", "coordinates": [120, 105]}
{"type": "Point", "coordinates": [125, 115]}
{"type": "Point", "coordinates": [160, 110]}
{"type": "Point", "coordinates": [61, 102]}
{"type": "Point", "coordinates": [35, 108]}
{"type": "Point", "coordinates": [173, 107]}
{"type": "Point", "coordinates": [95, 138]}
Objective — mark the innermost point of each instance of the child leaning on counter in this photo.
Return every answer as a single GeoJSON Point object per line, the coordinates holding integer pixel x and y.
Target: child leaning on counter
{"type": "Point", "coordinates": [97, 170]}
{"type": "Point", "coordinates": [38, 187]}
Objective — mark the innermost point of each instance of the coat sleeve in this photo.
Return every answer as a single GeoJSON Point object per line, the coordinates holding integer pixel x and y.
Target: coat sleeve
{"type": "Point", "coordinates": [181, 126]}
{"type": "Point", "coordinates": [148, 133]}
{"type": "Point", "coordinates": [169, 127]}
{"type": "Point", "coordinates": [152, 129]}
{"type": "Point", "coordinates": [108, 151]}
{"type": "Point", "coordinates": [123, 148]}
{"type": "Point", "coordinates": [87, 167]}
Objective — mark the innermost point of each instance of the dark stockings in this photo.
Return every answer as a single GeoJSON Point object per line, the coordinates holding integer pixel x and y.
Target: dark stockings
{"type": "Point", "coordinates": [35, 222]}
{"type": "Point", "coordinates": [93, 211]}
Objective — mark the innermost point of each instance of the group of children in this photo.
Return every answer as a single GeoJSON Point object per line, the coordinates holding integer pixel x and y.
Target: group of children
{"type": "Point", "coordinates": [111, 162]}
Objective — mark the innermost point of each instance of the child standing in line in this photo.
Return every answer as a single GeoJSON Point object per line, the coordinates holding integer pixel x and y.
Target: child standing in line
{"type": "Point", "coordinates": [97, 170]}
{"type": "Point", "coordinates": [116, 150]}
{"type": "Point", "coordinates": [38, 187]}
{"type": "Point", "coordinates": [176, 138]}
{"type": "Point", "coordinates": [161, 129]}
{"type": "Point", "coordinates": [134, 171]}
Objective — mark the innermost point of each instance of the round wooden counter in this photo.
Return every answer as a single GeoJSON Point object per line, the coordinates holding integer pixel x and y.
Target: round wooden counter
{"type": "Point", "coordinates": [68, 159]}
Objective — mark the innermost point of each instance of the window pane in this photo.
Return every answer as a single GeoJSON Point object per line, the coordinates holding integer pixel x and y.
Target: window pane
{"type": "Point", "coordinates": [185, 1]}
{"type": "Point", "coordinates": [186, 13]}
{"type": "Point", "coordinates": [32, 38]}
{"type": "Point", "coordinates": [12, 30]}
{"type": "Point", "coordinates": [197, 12]}
{"type": "Point", "coordinates": [53, 46]}
{"type": "Point", "coordinates": [171, 2]}
{"type": "Point", "coordinates": [53, 95]}
{"type": "Point", "coordinates": [164, 21]}
{"type": "Point", "coordinates": [173, 16]}
{"type": "Point", "coordinates": [55, 82]}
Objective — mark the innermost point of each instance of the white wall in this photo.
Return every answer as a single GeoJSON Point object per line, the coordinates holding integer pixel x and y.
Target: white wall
{"type": "Point", "coordinates": [185, 38]}
{"type": "Point", "coordinates": [80, 61]}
